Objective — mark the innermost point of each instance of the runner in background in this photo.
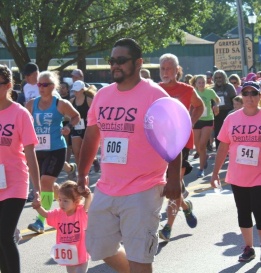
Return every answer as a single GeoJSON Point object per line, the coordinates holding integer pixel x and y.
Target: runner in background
{"type": "Point", "coordinates": [48, 112]}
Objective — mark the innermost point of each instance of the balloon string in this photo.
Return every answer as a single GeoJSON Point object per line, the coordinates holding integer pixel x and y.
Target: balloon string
{"type": "Point", "coordinates": [172, 204]}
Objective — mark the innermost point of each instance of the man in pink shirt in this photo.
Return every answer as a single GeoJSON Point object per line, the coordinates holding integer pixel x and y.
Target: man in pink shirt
{"type": "Point", "coordinates": [129, 193]}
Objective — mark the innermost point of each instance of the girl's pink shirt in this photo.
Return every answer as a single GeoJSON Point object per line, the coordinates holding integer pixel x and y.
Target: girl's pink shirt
{"type": "Point", "coordinates": [16, 132]}
{"type": "Point", "coordinates": [71, 229]}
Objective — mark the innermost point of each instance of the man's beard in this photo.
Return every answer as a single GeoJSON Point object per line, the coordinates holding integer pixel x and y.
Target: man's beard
{"type": "Point", "coordinates": [166, 81]}
{"type": "Point", "coordinates": [123, 76]}
{"type": "Point", "coordinates": [118, 79]}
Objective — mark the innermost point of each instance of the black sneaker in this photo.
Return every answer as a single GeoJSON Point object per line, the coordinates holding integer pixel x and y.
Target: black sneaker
{"type": "Point", "coordinates": [247, 255]}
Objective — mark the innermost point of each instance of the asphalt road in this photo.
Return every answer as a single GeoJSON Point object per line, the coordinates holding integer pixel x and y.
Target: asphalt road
{"type": "Point", "coordinates": [213, 246]}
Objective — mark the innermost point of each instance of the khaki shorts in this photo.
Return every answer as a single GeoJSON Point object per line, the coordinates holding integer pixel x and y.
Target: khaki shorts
{"type": "Point", "coordinates": [132, 220]}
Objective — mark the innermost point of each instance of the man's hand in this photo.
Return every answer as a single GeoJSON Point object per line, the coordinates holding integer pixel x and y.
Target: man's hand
{"type": "Point", "coordinates": [172, 190]}
{"type": "Point", "coordinates": [83, 183]}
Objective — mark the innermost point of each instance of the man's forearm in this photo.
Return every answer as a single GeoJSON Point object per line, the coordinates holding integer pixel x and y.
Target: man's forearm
{"type": "Point", "coordinates": [174, 169]}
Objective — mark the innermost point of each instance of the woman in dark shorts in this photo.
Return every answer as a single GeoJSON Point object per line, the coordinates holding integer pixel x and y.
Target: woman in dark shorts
{"type": "Point", "coordinates": [48, 111]}
{"type": "Point", "coordinates": [204, 126]}
{"type": "Point", "coordinates": [81, 101]}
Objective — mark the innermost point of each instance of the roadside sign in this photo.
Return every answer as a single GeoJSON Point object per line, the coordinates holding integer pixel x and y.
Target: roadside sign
{"type": "Point", "coordinates": [228, 56]}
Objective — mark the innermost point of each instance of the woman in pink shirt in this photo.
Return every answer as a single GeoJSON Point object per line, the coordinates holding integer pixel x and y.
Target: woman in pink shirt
{"type": "Point", "coordinates": [17, 155]}
{"type": "Point", "coordinates": [241, 136]}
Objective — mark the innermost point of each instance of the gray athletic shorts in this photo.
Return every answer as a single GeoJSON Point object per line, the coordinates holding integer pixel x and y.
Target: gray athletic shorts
{"type": "Point", "coordinates": [132, 220]}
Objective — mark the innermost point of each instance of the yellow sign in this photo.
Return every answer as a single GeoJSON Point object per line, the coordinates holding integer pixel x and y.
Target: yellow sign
{"type": "Point", "coordinates": [227, 54]}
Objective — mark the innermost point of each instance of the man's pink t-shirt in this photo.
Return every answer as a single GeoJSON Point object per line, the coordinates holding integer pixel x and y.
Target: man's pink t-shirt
{"type": "Point", "coordinates": [16, 132]}
{"type": "Point", "coordinates": [240, 129]}
{"type": "Point", "coordinates": [71, 229]}
{"type": "Point", "coordinates": [120, 118]}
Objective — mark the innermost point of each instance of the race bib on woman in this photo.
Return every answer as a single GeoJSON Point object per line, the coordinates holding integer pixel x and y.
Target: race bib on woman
{"type": "Point", "coordinates": [80, 125]}
{"type": "Point", "coordinates": [247, 155]}
{"type": "Point", "coordinates": [44, 142]}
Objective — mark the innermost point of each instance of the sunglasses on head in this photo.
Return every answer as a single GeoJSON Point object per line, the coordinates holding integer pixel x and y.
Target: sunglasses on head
{"type": "Point", "coordinates": [44, 84]}
{"type": "Point", "coordinates": [251, 93]}
{"type": "Point", "coordinates": [119, 60]}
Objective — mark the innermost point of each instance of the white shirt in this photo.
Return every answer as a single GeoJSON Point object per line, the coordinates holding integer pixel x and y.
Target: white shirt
{"type": "Point", "coordinates": [30, 91]}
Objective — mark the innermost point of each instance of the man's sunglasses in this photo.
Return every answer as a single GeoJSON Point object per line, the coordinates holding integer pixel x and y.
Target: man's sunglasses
{"type": "Point", "coordinates": [44, 84]}
{"type": "Point", "coordinates": [119, 60]}
{"type": "Point", "coordinates": [251, 93]}
{"type": "Point", "coordinates": [2, 83]}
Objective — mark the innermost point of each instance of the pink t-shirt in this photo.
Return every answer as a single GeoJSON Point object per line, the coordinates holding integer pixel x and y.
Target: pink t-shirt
{"type": "Point", "coordinates": [71, 229]}
{"type": "Point", "coordinates": [16, 132]}
{"type": "Point", "coordinates": [120, 118]}
{"type": "Point", "coordinates": [239, 129]}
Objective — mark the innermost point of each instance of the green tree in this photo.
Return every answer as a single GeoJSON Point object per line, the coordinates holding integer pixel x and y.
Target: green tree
{"type": "Point", "coordinates": [93, 26]}
{"type": "Point", "coordinates": [224, 16]}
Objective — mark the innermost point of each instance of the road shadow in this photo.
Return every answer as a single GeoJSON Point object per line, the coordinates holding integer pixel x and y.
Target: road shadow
{"type": "Point", "coordinates": [164, 244]}
{"type": "Point", "coordinates": [235, 268]}
{"type": "Point", "coordinates": [51, 262]}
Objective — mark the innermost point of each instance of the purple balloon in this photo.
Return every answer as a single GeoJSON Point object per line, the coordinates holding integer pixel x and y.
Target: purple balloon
{"type": "Point", "coordinates": [167, 126]}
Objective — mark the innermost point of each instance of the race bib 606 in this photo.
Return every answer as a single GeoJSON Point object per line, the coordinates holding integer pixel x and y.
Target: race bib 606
{"type": "Point", "coordinates": [115, 150]}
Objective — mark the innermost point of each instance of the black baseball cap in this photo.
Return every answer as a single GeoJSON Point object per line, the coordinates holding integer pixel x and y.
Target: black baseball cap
{"type": "Point", "coordinates": [30, 68]}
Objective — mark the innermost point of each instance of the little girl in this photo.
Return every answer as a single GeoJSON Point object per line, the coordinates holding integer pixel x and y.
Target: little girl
{"type": "Point", "coordinates": [70, 221]}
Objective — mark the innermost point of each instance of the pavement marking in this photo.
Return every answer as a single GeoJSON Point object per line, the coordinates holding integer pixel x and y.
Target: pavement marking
{"type": "Point", "coordinates": [27, 236]}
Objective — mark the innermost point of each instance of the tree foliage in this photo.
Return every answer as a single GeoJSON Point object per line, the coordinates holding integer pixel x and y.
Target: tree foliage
{"type": "Point", "coordinates": [93, 26]}
{"type": "Point", "coordinates": [224, 16]}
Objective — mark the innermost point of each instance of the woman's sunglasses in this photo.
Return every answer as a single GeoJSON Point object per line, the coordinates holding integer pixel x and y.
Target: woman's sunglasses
{"type": "Point", "coordinates": [251, 93]}
{"type": "Point", "coordinates": [44, 84]}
